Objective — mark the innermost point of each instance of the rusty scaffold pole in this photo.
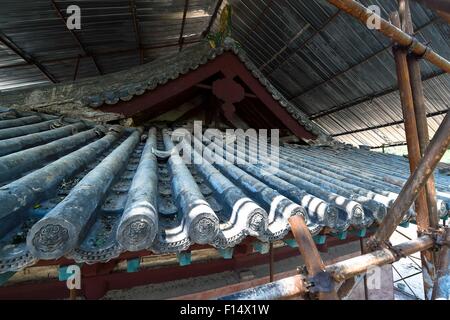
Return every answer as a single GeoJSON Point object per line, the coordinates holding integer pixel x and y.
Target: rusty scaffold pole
{"type": "Point", "coordinates": [363, 14]}
{"type": "Point", "coordinates": [429, 219]}
{"type": "Point", "coordinates": [323, 284]}
{"type": "Point", "coordinates": [414, 154]}
{"type": "Point", "coordinates": [420, 110]}
{"type": "Point", "coordinates": [413, 106]}
{"type": "Point", "coordinates": [441, 288]}
{"type": "Point", "coordinates": [298, 286]}
{"type": "Point", "coordinates": [409, 193]}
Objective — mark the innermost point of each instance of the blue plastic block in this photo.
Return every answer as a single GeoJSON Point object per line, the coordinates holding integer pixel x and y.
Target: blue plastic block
{"type": "Point", "coordinates": [226, 253]}
{"type": "Point", "coordinates": [63, 275]}
{"type": "Point", "coordinates": [291, 243]}
{"type": "Point", "coordinates": [320, 238]}
{"type": "Point", "coordinates": [4, 277]}
{"type": "Point", "coordinates": [184, 258]}
{"type": "Point", "coordinates": [361, 232]}
{"type": "Point", "coordinates": [404, 224]}
{"type": "Point", "coordinates": [340, 235]}
{"type": "Point", "coordinates": [133, 265]}
{"type": "Point", "coordinates": [261, 247]}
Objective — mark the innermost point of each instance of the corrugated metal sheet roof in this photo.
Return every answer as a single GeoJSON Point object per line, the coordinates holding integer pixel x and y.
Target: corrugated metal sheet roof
{"type": "Point", "coordinates": [379, 112]}
{"type": "Point", "coordinates": [89, 193]}
{"type": "Point", "coordinates": [107, 34]}
{"type": "Point", "coordinates": [303, 47]}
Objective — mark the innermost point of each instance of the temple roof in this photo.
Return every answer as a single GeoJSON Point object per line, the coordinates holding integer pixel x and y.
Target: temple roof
{"type": "Point", "coordinates": [90, 192]}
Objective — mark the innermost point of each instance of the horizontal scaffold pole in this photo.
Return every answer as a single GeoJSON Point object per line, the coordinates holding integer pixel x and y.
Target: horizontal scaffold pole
{"type": "Point", "coordinates": [363, 14]}
{"type": "Point", "coordinates": [297, 286]}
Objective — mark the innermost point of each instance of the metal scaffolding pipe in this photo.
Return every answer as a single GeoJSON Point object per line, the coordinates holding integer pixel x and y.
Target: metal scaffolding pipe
{"type": "Point", "coordinates": [441, 288]}
{"type": "Point", "coordinates": [433, 153]}
{"type": "Point", "coordinates": [296, 285]}
{"type": "Point", "coordinates": [420, 111]}
{"type": "Point", "coordinates": [60, 230]}
{"type": "Point", "coordinates": [363, 14]}
{"type": "Point", "coordinates": [306, 245]}
{"type": "Point", "coordinates": [428, 218]}
{"type": "Point", "coordinates": [347, 269]}
{"type": "Point", "coordinates": [290, 287]}
{"type": "Point", "coordinates": [311, 256]}
{"type": "Point", "coordinates": [409, 117]}
{"type": "Point", "coordinates": [138, 225]}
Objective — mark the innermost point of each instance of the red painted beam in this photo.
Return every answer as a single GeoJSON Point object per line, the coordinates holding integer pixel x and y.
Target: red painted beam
{"type": "Point", "coordinates": [96, 286]}
{"type": "Point", "coordinates": [100, 278]}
